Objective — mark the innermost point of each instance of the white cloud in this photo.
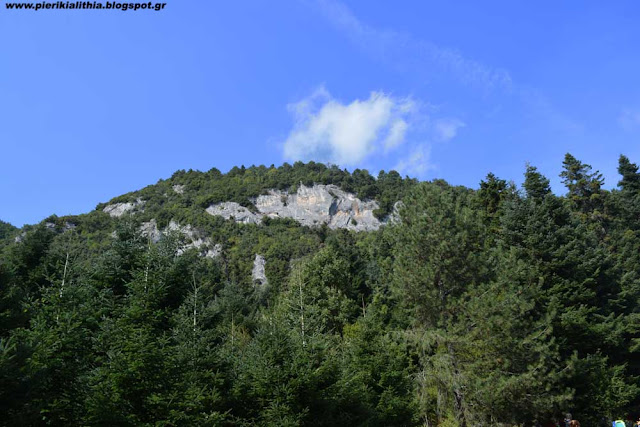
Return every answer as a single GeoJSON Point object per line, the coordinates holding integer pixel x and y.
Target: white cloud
{"type": "Point", "coordinates": [629, 119]}
{"type": "Point", "coordinates": [447, 129]}
{"type": "Point", "coordinates": [396, 134]}
{"type": "Point", "coordinates": [424, 58]}
{"type": "Point", "coordinates": [401, 50]}
{"type": "Point", "coordinates": [417, 163]}
{"type": "Point", "coordinates": [381, 130]}
{"type": "Point", "coordinates": [327, 130]}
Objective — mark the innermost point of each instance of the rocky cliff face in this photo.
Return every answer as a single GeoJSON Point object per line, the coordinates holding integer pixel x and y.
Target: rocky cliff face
{"type": "Point", "coordinates": [229, 210]}
{"type": "Point", "coordinates": [118, 209]}
{"type": "Point", "coordinates": [193, 239]}
{"type": "Point", "coordinates": [311, 206]}
{"type": "Point", "coordinates": [257, 273]}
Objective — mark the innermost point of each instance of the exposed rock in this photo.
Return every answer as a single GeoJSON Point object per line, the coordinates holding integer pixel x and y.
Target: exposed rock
{"type": "Point", "coordinates": [239, 213]}
{"type": "Point", "coordinates": [150, 229]}
{"type": "Point", "coordinates": [67, 226]}
{"type": "Point", "coordinates": [311, 206]}
{"type": "Point", "coordinates": [213, 252]}
{"type": "Point", "coordinates": [257, 274]}
{"type": "Point", "coordinates": [394, 217]}
{"type": "Point", "coordinates": [178, 188]}
{"type": "Point", "coordinates": [118, 209]}
{"type": "Point", "coordinates": [187, 230]}
{"type": "Point", "coordinates": [193, 238]}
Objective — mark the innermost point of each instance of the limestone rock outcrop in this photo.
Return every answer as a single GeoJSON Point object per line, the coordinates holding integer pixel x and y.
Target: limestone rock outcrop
{"type": "Point", "coordinates": [193, 239]}
{"type": "Point", "coordinates": [150, 230]}
{"type": "Point", "coordinates": [118, 209]}
{"type": "Point", "coordinates": [395, 217]}
{"type": "Point", "coordinates": [310, 206]}
{"type": "Point", "coordinates": [257, 274]}
{"type": "Point", "coordinates": [239, 213]}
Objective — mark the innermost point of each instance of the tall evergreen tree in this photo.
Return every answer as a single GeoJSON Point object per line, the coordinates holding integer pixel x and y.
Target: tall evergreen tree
{"type": "Point", "coordinates": [585, 186]}
{"type": "Point", "coordinates": [535, 184]}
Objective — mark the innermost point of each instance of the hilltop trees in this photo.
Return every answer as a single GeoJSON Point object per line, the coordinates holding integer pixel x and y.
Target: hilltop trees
{"type": "Point", "coordinates": [473, 307]}
{"type": "Point", "coordinates": [585, 187]}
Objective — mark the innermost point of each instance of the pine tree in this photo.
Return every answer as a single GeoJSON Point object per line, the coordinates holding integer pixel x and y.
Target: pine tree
{"type": "Point", "coordinates": [198, 380]}
{"type": "Point", "coordinates": [585, 187]}
{"type": "Point", "coordinates": [438, 255]}
{"type": "Point", "coordinates": [629, 197]}
{"type": "Point", "coordinates": [535, 184]}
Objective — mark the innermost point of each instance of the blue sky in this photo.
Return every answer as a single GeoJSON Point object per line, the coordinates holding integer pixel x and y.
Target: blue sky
{"type": "Point", "coordinates": [94, 104]}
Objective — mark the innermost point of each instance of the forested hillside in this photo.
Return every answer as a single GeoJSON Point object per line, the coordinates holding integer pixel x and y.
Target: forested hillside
{"type": "Point", "coordinates": [495, 306]}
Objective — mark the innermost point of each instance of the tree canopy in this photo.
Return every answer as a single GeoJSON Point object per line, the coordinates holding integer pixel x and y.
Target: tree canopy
{"type": "Point", "coordinates": [495, 306]}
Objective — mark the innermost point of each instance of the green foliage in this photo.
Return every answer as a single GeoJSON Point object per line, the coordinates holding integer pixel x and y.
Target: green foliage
{"type": "Point", "coordinates": [492, 194]}
{"type": "Point", "coordinates": [494, 306]}
{"type": "Point", "coordinates": [6, 231]}
{"type": "Point", "coordinates": [242, 185]}
{"type": "Point", "coordinates": [535, 184]}
{"type": "Point", "coordinates": [585, 187]}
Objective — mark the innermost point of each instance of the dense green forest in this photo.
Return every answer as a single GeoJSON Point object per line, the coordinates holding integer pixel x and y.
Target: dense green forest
{"type": "Point", "coordinates": [496, 306]}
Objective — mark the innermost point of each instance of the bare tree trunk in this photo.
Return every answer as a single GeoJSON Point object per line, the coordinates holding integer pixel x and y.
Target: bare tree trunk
{"type": "Point", "coordinates": [457, 392]}
{"type": "Point", "coordinates": [195, 302]}
{"type": "Point", "coordinates": [304, 343]}
{"type": "Point", "coordinates": [146, 270]}
{"type": "Point", "coordinates": [64, 275]}
{"type": "Point", "coordinates": [462, 420]}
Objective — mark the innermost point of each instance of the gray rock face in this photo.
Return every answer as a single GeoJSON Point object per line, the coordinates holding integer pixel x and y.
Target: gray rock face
{"type": "Point", "coordinates": [395, 217]}
{"type": "Point", "coordinates": [193, 238]}
{"type": "Point", "coordinates": [67, 226]}
{"type": "Point", "coordinates": [257, 274]}
{"type": "Point", "coordinates": [118, 209]}
{"type": "Point", "coordinates": [213, 252]}
{"type": "Point", "coordinates": [150, 230]}
{"type": "Point", "coordinates": [204, 244]}
{"type": "Point", "coordinates": [311, 206]}
{"type": "Point", "coordinates": [239, 213]}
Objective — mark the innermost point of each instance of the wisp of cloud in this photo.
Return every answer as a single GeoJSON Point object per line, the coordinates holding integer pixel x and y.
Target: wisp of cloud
{"type": "Point", "coordinates": [328, 130]}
